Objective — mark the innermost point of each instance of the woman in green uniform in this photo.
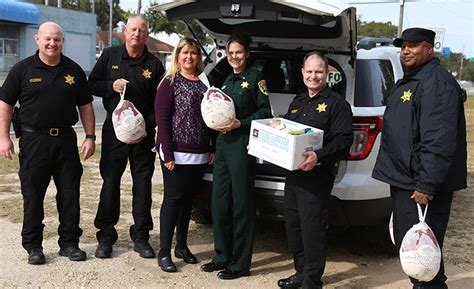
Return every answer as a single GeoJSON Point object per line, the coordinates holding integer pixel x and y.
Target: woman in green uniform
{"type": "Point", "coordinates": [233, 197]}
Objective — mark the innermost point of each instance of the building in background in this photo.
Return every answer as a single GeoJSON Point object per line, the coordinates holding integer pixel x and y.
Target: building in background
{"type": "Point", "coordinates": [156, 47]}
{"type": "Point", "coordinates": [19, 23]}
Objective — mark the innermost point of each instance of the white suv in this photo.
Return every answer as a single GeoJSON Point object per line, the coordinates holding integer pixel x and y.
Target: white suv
{"type": "Point", "coordinates": [283, 31]}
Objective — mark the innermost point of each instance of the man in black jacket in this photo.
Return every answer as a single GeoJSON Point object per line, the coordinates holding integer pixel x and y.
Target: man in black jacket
{"type": "Point", "coordinates": [423, 150]}
{"type": "Point", "coordinates": [130, 64]}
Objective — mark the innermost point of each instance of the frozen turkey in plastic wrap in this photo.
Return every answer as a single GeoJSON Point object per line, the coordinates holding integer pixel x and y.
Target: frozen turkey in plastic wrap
{"type": "Point", "coordinates": [420, 254]}
{"type": "Point", "coordinates": [129, 124]}
{"type": "Point", "coordinates": [217, 108]}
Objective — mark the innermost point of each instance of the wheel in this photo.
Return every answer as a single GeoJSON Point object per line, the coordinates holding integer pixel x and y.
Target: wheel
{"type": "Point", "coordinates": [201, 216]}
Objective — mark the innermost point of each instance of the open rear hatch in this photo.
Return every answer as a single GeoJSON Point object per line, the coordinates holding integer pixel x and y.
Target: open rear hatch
{"type": "Point", "coordinates": [328, 26]}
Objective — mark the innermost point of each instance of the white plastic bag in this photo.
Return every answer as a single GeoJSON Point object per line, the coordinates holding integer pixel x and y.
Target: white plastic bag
{"type": "Point", "coordinates": [420, 254]}
{"type": "Point", "coordinates": [216, 108]}
{"type": "Point", "coordinates": [128, 122]}
{"type": "Point", "coordinates": [390, 229]}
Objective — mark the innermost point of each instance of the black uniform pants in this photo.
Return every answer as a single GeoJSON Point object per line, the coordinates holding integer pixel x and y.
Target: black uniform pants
{"type": "Point", "coordinates": [42, 157]}
{"type": "Point", "coordinates": [113, 162]}
{"type": "Point", "coordinates": [179, 187]}
{"type": "Point", "coordinates": [306, 222]}
{"type": "Point", "coordinates": [405, 215]}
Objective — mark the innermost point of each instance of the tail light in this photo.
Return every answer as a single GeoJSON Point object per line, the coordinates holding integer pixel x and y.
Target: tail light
{"type": "Point", "coordinates": [365, 131]}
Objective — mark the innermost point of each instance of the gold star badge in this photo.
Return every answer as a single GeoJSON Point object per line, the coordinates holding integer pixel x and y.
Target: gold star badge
{"type": "Point", "coordinates": [321, 107]}
{"type": "Point", "coordinates": [146, 73]}
{"type": "Point", "coordinates": [245, 84]}
{"type": "Point", "coordinates": [406, 95]}
{"type": "Point", "coordinates": [69, 79]}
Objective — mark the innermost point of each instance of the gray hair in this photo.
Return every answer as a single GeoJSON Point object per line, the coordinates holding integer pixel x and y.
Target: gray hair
{"type": "Point", "coordinates": [142, 17]}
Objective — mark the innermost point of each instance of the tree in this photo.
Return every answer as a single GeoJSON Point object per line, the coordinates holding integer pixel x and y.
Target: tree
{"type": "Point", "coordinates": [160, 23]}
{"type": "Point", "coordinates": [468, 71]}
{"type": "Point", "coordinates": [101, 9]}
{"type": "Point", "coordinates": [453, 64]}
{"type": "Point", "coordinates": [376, 29]}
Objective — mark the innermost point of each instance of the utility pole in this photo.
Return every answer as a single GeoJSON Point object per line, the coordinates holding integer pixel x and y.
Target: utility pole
{"type": "Point", "coordinates": [400, 18]}
{"type": "Point", "coordinates": [139, 6]}
{"type": "Point", "coordinates": [462, 61]}
{"type": "Point", "coordinates": [110, 22]}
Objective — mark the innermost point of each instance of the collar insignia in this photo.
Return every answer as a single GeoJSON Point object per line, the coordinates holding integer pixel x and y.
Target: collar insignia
{"type": "Point", "coordinates": [35, 79]}
{"type": "Point", "coordinates": [321, 107]}
{"type": "Point", "coordinates": [146, 73]}
{"type": "Point", "coordinates": [406, 95]}
{"type": "Point", "coordinates": [69, 79]}
{"type": "Point", "coordinates": [245, 84]}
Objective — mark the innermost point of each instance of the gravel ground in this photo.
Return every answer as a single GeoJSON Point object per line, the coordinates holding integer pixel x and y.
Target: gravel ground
{"type": "Point", "coordinates": [349, 265]}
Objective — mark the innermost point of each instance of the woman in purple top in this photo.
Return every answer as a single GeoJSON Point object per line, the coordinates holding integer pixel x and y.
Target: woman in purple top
{"type": "Point", "coordinates": [184, 146]}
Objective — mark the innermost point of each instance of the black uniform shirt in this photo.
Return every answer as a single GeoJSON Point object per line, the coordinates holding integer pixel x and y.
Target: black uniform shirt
{"type": "Point", "coordinates": [143, 73]}
{"type": "Point", "coordinates": [48, 95]}
{"type": "Point", "coordinates": [329, 112]}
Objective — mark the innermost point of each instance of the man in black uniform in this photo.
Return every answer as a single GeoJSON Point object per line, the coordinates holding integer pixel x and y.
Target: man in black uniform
{"type": "Point", "coordinates": [307, 190]}
{"type": "Point", "coordinates": [48, 86]}
{"type": "Point", "coordinates": [131, 65]}
{"type": "Point", "coordinates": [423, 151]}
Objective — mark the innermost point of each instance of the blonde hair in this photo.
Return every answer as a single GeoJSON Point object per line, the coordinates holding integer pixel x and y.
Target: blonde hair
{"type": "Point", "coordinates": [174, 68]}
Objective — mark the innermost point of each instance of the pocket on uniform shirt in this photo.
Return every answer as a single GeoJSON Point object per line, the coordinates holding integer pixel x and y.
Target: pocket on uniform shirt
{"type": "Point", "coordinates": [319, 120]}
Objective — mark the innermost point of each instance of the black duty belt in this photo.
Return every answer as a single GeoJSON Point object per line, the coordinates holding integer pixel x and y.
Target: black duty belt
{"type": "Point", "coordinates": [52, 131]}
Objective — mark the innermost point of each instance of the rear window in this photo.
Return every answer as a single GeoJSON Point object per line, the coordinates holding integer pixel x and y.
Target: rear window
{"type": "Point", "coordinates": [374, 81]}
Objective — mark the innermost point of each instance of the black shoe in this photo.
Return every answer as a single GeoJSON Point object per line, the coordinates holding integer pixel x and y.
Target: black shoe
{"type": "Point", "coordinates": [73, 253]}
{"type": "Point", "coordinates": [144, 249]}
{"type": "Point", "coordinates": [103, 251]}
{"type": "Point", "coordinates": [186, 255]}
{"type": "Point", "coordinates": [211, 267]}
{"type": "Point", "coordinates": [36, 257]}
{"type": "Point", "coordinates": [228, 274]}
{"type": "Point", "coordinates": [166, 264]}
{"type": "Point", "coordinates": [291, 282]}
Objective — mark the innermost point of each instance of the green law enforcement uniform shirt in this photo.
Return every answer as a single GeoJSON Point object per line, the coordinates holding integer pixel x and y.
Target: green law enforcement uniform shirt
{"type": "Point", "coordinates": [249, 92]}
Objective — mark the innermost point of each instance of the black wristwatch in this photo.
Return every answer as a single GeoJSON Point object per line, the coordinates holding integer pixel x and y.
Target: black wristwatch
{"type": "Point", "coordinates": [91, 136]}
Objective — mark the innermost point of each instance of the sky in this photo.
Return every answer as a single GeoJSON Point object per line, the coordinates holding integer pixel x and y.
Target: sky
{"type": "Point", "coordinates": [455, 16]}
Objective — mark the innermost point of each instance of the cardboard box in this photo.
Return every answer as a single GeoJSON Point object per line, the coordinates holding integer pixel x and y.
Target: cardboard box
{"type": "Point", "coordinates": [278, 146]}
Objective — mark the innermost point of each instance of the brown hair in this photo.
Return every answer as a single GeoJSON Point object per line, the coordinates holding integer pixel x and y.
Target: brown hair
{"type": "Point", "coordinates": [241, 38]}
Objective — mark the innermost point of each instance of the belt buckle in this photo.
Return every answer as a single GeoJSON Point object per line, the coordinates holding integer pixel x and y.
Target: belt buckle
{"type": "Point", "coordinates": [54, 131]}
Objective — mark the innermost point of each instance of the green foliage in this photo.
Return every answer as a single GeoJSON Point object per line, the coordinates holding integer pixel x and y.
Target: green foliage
{"type": "Point", "coordinates": [468, 71]}
{"type": "Point", "coordinates": [453, 64]}
{"type": "Point", "coordinates": [101, 9]}
{"type": "Point", "coordinates": [160, 23]}
{"type": "Point", "coordinates": [376, 29]}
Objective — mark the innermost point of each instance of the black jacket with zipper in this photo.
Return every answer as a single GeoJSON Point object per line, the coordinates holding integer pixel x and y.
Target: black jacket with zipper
{"type": "Point", "coordinates": [423, 143]}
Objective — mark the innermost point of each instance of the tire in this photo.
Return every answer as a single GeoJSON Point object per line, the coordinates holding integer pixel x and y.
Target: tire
{"type": "Point", "coordinates": [201, 216]}
{"type": "Point", "coordinates": [374, 238]}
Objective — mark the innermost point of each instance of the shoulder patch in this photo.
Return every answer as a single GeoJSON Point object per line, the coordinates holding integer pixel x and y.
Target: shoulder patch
{"type": "Point", "coordinates": [262, 85]}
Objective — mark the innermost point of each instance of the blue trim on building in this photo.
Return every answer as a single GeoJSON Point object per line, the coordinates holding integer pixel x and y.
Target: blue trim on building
{"type": "Point", "coordinates": [19, 12]}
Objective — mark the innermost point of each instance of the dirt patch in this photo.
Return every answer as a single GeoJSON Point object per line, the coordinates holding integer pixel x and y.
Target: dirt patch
{"type": "Point", "coordinates": [348, 266]}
